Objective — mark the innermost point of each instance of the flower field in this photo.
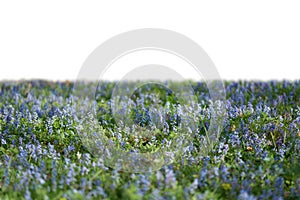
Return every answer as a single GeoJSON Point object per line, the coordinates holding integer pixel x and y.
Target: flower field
{"type": "Point", "coordinates": [43, 155]}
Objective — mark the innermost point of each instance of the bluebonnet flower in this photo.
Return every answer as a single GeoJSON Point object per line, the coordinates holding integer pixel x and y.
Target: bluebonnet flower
{"type": "Point", "coordinates": [83, 183]}
{"type": "Point", "coordinates": [193, 186]}
{"type": "Point", "coordinates": [234, 139]}
{"type": "Point", "coordinates": [203, 176]}
{"type": "Point", "coordinates": [27, 195]}
{"type": "Point", "coordinates": [62, 181]}
{"type": "Point", "coordinates": [71, 174]}
{"type": "Point", "coordinates": [279, 184]}
{"type": "Point", "coordinates": [98, 191]}
{"type": "Point", "coordinates": [159, 178]}
{"type": "Point", "coordinates": [84, 170]}
{"type": "Point", "coordinates": [54, 175]}
{"type": "Point", "coordinates": [170, 179]}
{"type": "Point", "coordinates": [6, 159]}
{"type": "Point", "coordinates": [224, 172]}
{"type": "Point", "coordinates": [155, 195]}
{"type": "Point", "coordinates": [7, 177]}
{"type": "Point", "coordinates": [244, 195]}
{"type": "Point", "coordinates": [144, 184]}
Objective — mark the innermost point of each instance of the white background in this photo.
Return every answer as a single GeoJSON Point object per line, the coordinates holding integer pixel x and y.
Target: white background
{"type": "Point", "coordinates": [245, 39]}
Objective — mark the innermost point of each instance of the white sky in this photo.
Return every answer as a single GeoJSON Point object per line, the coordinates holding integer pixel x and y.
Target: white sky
{"type": "Point", "coordinates": [246, 40]}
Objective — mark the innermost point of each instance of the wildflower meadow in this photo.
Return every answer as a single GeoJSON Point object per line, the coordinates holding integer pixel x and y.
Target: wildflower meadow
{"type": "Point", "coordinates": [44, 153]}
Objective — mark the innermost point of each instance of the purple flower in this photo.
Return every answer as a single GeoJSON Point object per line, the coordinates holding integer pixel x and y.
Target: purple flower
{"type": "Point", "coordinates": [27, 195]}
{"type": "Point", "coordinates": [279, 184]}
{"type": "Point", "coordinates": [170, 179]}
{"type": "Point", "coordinates": [7, 178]}
{"type": "Point", "coordinates": [244, 195]}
